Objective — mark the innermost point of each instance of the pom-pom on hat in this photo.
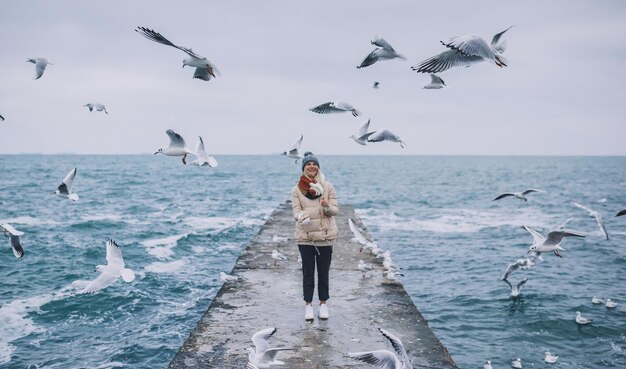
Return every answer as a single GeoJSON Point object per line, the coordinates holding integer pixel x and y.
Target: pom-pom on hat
{"type": "Point", "coordinates": [308, 156]}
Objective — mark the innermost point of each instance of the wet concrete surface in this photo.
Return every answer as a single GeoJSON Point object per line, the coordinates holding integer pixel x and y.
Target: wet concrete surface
{"type": "Point", "coordinates": [270, 295]}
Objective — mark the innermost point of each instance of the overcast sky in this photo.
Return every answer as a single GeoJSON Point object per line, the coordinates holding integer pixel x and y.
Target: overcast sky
{"type": "Point", "coordinates": [562, 93]}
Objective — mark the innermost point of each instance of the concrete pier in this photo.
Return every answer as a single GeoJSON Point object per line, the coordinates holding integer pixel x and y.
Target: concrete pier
{"type": "Point", "coordinates": [270, 295]}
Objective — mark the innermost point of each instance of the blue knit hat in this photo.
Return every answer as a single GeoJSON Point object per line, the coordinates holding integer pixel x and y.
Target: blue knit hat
{"type": "Point", "coordinates": [308, 156]}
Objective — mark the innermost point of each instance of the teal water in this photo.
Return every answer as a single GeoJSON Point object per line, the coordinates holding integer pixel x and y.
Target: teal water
{"type": "Point", "coordinates": [180, 226]}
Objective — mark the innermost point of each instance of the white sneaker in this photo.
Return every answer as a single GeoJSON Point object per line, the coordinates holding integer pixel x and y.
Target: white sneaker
{"type": "Point", "coordinates": [308, 313]}
{"type": "Point", "coordinates": [323, 311]}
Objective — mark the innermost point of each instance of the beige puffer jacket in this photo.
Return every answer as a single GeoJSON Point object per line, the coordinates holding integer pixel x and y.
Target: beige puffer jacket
{"type": "Point", "coordinates": [322, 229]}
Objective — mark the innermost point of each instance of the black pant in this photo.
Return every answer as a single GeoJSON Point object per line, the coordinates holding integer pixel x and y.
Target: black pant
{"type": "Point", "coordinates": [311, 255]}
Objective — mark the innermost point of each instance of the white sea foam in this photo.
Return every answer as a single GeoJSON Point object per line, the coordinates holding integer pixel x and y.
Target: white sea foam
{"type": "Point", "coordinates": [169, 267]}
{"type": "Point", "coordinates": [113, 364]}
{"type": "Point", "coordinates": [161, 248]}
{"type": "Point", "coordinates": [28, 220]}
{"type": "Point", "coordinates": [15, 323]}
{"type": "Point", "coordinates": [98, 217]}
{"type": "Point", "coordinates": [228, 246]}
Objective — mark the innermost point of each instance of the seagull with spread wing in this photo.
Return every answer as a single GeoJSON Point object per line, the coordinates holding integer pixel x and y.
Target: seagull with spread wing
{"type": "Point", "coordinates": [14, 239]}
{"type": "Point", "coordinates": [294, 150]}
{"type": "Point", "coordinates": [65, 188]}
{"type": "Point", "coordinates": [465, 51]}
{"type": "Point", "coordinates": [595, 214]}
{"type": "Point", "coordinates": [384, 51]}
{"type": "Point", "coordinates": [115, 268]}
{"type": "Point", "coordinates": [519, 195]}
{"type": "Point", "coordinates": [335, 107]}
{"type": "Point", "coordinates": [177, 146]}
{"type": "Point", "coordinates": [40, 65]}
{"type": "Point", "coordinates": [384, 358]}
{"type": "Point", "coordinates": [203, 159]}
{"type": "Point", "coordinates": [385, 135]}
{"type": "Point", "coordinates": [205, 69]}
{"type": "Point", "coordinates": [262, 355]}
{"type": "Point", "coordinates": [435, 83]}
{"type": "Point", "coordinates": [363, 134]}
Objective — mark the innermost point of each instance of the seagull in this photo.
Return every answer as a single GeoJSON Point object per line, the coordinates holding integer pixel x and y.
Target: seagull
{"type": "Point", "coordinates": [177, 146]}
{"type": "Point", "coordinates": [519, 195]}
{"type": "Point", "coordinates": [109, 273]}
{"type": "Point", "coordinates": [1, 118]}
{"type": "Point", "coordinates": [357, 234]}
{"type": "Point", "coordinates": [384, 51]}
{"type": "Point", "coordinates": [40, 65]}
{"type": "Point", "coordinates": [335, 107]}
{"type": "Point", "coordinates": [610, 304]}
{"type": "Point", "coordinates": [549, 358]}
{"type": "Point", "coordinates": [553, 242]}
{"type": "Point", "coordinates": [580, 320]}
{"type": "Point", "coordinates": [294, 150]}
{"type": "Point", "coordinates": [517, 363]}
{"type": "Point", "coordinates": [262, 356]}
{"type": "Point", "coordinates": [597, 300]}
{"type": "Point", "coordinates": [385, 135]}
{"type": "Point", "coordinates": [363, 134]}
{"type": "Point", "coordinates": [520, 263]}
{"type": "Point", "coordinates": [205, 69]}
{"type": "Point", "coordinates": [203, 159]}
{"type": "Point", "coordinates": [98, 107]}
{"type": "Point", "coordinates": [487, 365]}
{"type": "Point", "coordinates": [597, 215]}
{"type": "Point", "coordinates": [376, 85]}
{"type": "Point", "coordinates": [619, 213]}
{"type": "Point", "coordinates": [65, 188]}
{"type": "Point", "coordinates": [435, 83]}
{"type": "Point", "coordinates": [465, 51]}
{"type": "Point", "coordinates": [277, 256]}
{"type": "Point", "coordinates": [363, 267]}
{"type": "Point", "coordinates": [228, 278]}
{"type": "Point", "coordinates": [515, 290]}
{"type": "Point", "coordinates": [393, 275]}
{"type": "Point", "coordinates": [14, 239]}
{"type": "Point", "coordinates": [384, 358]}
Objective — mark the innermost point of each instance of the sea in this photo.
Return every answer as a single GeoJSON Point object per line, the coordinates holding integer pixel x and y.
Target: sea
{"type": "Point", "coordinates": [179, 226]}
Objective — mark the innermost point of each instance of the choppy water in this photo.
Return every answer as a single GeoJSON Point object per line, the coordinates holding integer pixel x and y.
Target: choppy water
{"type": "Point", "coordinates": [179, 226]}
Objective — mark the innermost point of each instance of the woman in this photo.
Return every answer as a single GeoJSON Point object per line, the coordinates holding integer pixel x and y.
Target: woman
{"type": "Point", "coordinates": [314, 205]}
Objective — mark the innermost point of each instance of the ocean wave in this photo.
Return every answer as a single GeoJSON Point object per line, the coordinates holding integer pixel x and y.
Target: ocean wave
{"type": "Point", "coordinates": [28, 220]}
{"type": "Point", "coordinates": [166, 267]}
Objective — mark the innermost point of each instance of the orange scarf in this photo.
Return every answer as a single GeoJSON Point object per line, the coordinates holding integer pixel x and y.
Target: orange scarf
{"type": "Point", "coordinates": [305, 186]}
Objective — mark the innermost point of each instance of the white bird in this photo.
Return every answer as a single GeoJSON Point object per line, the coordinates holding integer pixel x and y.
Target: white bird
{"type": "Point", "coordinates": [549, 358]}
{"type": "Point", "coordinates": [515, 290]}
{"type": "Point", "coordinates": [277, 256]}
{"type": "Point", "coordinates": [487, 365]}
{"type": "Point", "coordinates": [364, 267]}
{"type": "Point", "coordinates": [334, 107]}
{"type": "Point", "coordinates": [517, 363]}
{"type": "Point", "coordinates": [384, 51]}
{"type": "Point", "coordinates": [385, 135]}
{"type": "Point", "coordinates": [384, 358]}
{"type": "Point", "coordinates": [115, 268]}
{"type": "Point", "coordinates": [294, 150]}
{"type": "Point", "coordinates": [205, 69]}
{"type": "Point", "coordinates": [552, 243]}
{"type": "Point", "coordinates": [40, 65]}
{"type": "Point", "coordinates": [597, 216]}
{"type": "Point", "coordinates": [435, 83]}
{"type": "Point", "coordinates": [619, 213]}
{"type": "Point", "coordinates": [519, 264]}
{"type": "Point", "coordinates": [597, 300]}
{"type": "Point", "coordinates": [202, 158]}
{"type": "Point", "coordinates": [98, 107]}
{"type": "Point", "coordinates": [363, 134]}
{"type": "Point", "coordinates": [465, 51]}
{"type": "Point", "coordinates": [357, 233]}
{"type": "Point", "coordinates": [581, 320]}
{"type": "Point", "coordinates": [519, 195]}
{"type": "Point", "coordinates": [65, 188]}
{"type": "Point", "coordinates": [393, 275]}
{"type": "Point", "coordinates": [262, 356]}
{"type": "Point", "coordinates": [228, 278]}
{"type": "Point", "coordinates": [14, 239]}
{"type": "Point", "coordinates": [177, 146]}
{"type": "Point", "coordinates": [610, 304]}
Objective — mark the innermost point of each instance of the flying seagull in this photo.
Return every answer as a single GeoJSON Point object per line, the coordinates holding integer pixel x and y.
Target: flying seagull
{"type": "Point", "coordinates": [203, 158]}
{"type": "Point", "coordinates": [384, 51]}
{"type": "Point", "coordinates": [14, 239]}
{"type": "Point", "coordinates": [384, 358]}
{"type": "Point", "coordinates": [515, 290]}
{"type": "Point", "coordinates": [376, 84]}
{"type": "Point", "coordinates": [98, 107]}
{"type": "Point", "coordinates": [65, 188]}
{"type": "Point", "coordinates": [619, 213]}
{"type": "Point", "coordinates": [205, 69]}
{"type": "Point", "coordinates": [177, 146]}
{"type": "Point", "coordinates": [363, 134]}
{"type": "Point", "coordinates": [114, 269]}
{"type": "Point", "coordinates": [552, 243]}
{"type": "Point", "coordinates": [334, 107]}
{"type": "Point", "coordinates": [1, 118]}
{"type": "Point", "coordinates": [519, 195]}
{"type": "Point", "coordinates": [262, 355]}
{"type": "Point", "coordinates": [435, 83]}
{"type": "Point", "coordinates": [465, 51]}
{"type": "Point", "coordinates": [385, 135]}
{"type": "Point", "coordinates": [294, 150]}
{"type": "Point", "coordinates": [597, 216]}
{"type": "Point", "coordinates": [40, 65]}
